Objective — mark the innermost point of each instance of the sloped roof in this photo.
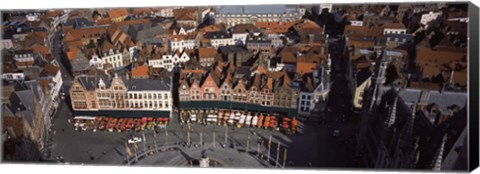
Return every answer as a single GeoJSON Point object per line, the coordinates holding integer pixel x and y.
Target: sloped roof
{"type": "Point", "coordinates": [305, 67]}
{"type": "Point", "coordinates": [106, 46]}
{"type": "Point", "coordinates": [255, 9]}
{"type": "Point", "coordinates": [394, 26]}
{"type": "Point", "coordinates": [245, 28]}
{"type": "Point", "coordinates": [275, 27]}
{"type": "Point", "coordinates": [140, 71]}
{"type": "Point", "coordinates": [217, 35]}
{"type": "Point", "coordinates": [89, 82]}
{"type": "Point", "coordinates": [49, 70]}
{"type": "Point", "coordinates": [119, 12]}
{"type": "Point", "coordinates": [206, 52]}
{"type": "Point", "coordinates": [148, 85]}
{"type": "Point", "coordinates": [79, 33]}
{"type": "Point", "coordinates": [185, 14]}
{"type": "Point", "coordinates": [72, 53]}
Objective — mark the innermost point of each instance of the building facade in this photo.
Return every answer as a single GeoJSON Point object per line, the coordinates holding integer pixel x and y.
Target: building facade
{"type": "Point", "coordinates": [233, 15]}
{"type": "Point", "coordinates": [102, 92]}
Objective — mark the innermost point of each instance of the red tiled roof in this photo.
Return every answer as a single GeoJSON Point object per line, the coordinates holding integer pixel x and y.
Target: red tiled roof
{"type": "Point", "coordinates": [305, 67]}
{"type": "Point", "coordinates": [79, 33]}
{"type": "Point", "coordinates": [394, 25]}
{"type": "Point", "coordinates": [49, 69]}
{"type": "Point", "coordinates": [115, 13]}
{"type": "Point", "coordinates": [185, 14]}
{"type": "Point", "coordinates": [275, 27]}
{"type": "Point", "coordinates": [140, 71]}
{"type": "Point", "coordinates": [41, 49]}
{"type": "Point", "coordinates": [72, 53]}
{"type": "Point", "coordinates": [206, 52]}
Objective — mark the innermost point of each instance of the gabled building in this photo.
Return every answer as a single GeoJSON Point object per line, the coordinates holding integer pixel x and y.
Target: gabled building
{"type": "Point", "coordinates": [170, 61]}
{"type": "Point", "coordinates": [181, 42]}
{"type": "Point", "coordinates": [206, 56]}
{"type": "Point", "coordinates": [105, 93]}
{"type": "Point", "coordinates": [117, 15]}
{"type": "Point", "coordinates": [241, 32]}
{"type": "Point", "coordinates": [219, 38]}
{"type": "Point", "coordinates": [234, 15]}
{"type": "Point", "coordinates": [78, 62]}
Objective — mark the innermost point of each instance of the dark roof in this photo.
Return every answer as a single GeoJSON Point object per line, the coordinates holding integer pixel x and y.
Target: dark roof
{"type": "Point", "coordinates": [21, 102]}
{"type": "Point", "coordinates": [255, 9]}
{"type": "Point", "coordinates": [260, 41]}
{"type": "Point", "coordinates": [243, 70]}
{"type": "Point", "coordinates": [147, 85]}
{"type": "Point", "coordinates": [232, 48]}
{"type": "Point", "coordinates": [245, 28]}
{"type": "Point", "coordinates": [408, 37]}
{"type": "Point", "coordinates": [148, 33]}
{"type": "Point", "coordinates": [34, 86]}
{"type": "Point", "coordinates": [362, 76]}
{"type": "Point", "coordinates": [90, 82]}
{"type": "Point", "coordinates": [7, 111]}
{"type": "Point", "coordinates": [78, 22]}
{"type": "Point", "coordinates": [216, 35]}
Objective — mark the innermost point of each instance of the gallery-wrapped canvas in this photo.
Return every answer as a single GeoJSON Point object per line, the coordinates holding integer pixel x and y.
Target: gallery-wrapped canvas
{"type": "Point", "coordinates": [307, 86]}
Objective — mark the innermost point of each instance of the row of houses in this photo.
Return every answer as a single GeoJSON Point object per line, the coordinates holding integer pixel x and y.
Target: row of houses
{"type": "Point", "coordinates": [31, 94]}
{"type": "Point", "coordinates": [101, 92]}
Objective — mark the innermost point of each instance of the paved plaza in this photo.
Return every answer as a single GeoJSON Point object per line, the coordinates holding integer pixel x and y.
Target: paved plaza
{"type": "Point", "coordinates": [313, 146]}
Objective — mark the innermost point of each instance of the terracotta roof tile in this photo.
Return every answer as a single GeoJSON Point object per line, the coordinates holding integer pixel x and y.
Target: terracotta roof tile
{"type": "Point", "coordinates": [245, 28]}
{"type": "Point", "coordinates": [394, 25]}
{"type": "Point", "coordinates": [140, 71]}
{"type": "Point", "coordinates": [212, 28]}
{"type": "Point", "coordinates": [274, 27]}
{"type": "Point", "coordinates": [72, 53]}
{"type": "Point", "coordinates": [185, 14]}
{"type": "Point", "coordinates": [119, 12]}
{"type": "Point", "coordinates": [49, 70]}
{"type": "Point", "coordinates": [106, 46]}
{"type": "Point", "coordinates": [103, 21]}
{"type": "Point", "coordinates": [79, 33]}
{"type": "Point", "coordinates": [43, 50]}
{"type": "Point", "coordinates": [206, 52]}
{"type": "Point", "coordinates": [305, 67]}
{"type": "Point", "coordinates": [460, 78]}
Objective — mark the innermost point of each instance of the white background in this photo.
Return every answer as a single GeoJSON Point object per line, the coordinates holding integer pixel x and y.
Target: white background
{"type": "Point", "coordinates": [49, 4]}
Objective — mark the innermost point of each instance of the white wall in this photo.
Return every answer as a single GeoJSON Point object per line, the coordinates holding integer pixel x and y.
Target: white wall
{"type": "Point", "coordinates": [169, 61]}
{"type": "Point", "coordinates": [115, 59]}
{"type": "Point", "coordinates": [356, 23]}
{"type": "Point", "coordinates": [13, 76]}
{"type": "Point", "coordinates": [96, 62]}
{"type": "Point", "coordinates": [426, 18]}
{"type": "Point", "coordinates": [221, 42]}
{"type": "Point", "coordinates": [161, 100]}
{"type": "Point", "coordinates": [394, 31]}
{"type": "Point", "coordinates": [182, 44]}
{"type": "Point", "coordinates": [6, 44]}
{"type": "Point", "coordinates": [239, 38]}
